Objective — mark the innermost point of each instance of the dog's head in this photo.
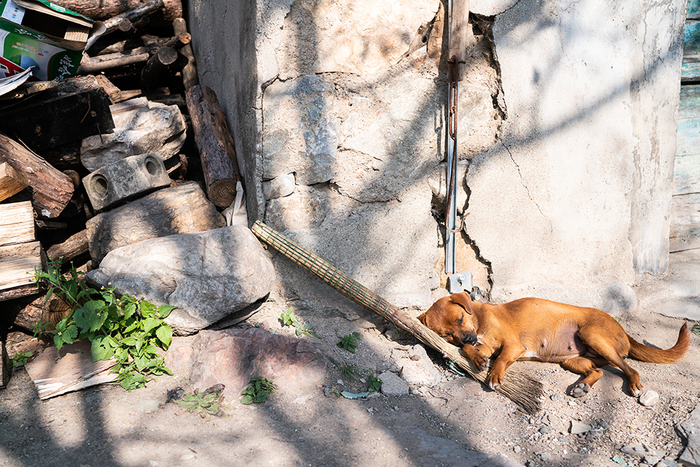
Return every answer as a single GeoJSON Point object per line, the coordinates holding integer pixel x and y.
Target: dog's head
{"type": "Point", "coordinates": [452, 319]}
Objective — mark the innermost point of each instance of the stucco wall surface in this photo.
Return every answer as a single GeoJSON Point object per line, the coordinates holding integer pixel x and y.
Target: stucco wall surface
{"type": "Point", "coordinates": [567, 135]}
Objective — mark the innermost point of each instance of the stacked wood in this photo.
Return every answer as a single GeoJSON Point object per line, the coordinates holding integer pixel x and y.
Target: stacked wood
{"type": "Point", "coordinates": [215, 144]}
{"type": "Point", "coordinates": [20, 253]}
{"type": "Point", "coordinates": [11, 181]}
{"type": "Point", "coordinates": [52, 189]}
{"type": "Point", "coordinates": [107, 9]}
{"type": "Point", "coordinates": [189, 71]}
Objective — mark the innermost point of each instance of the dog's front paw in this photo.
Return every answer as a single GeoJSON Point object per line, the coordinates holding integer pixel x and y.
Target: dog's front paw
{"type": "Point", "coordinates": [481, 362]}
{"type": "Point", "coordinates": [580, 390]}
{"type": "Point", "coordinates": [494, 382]}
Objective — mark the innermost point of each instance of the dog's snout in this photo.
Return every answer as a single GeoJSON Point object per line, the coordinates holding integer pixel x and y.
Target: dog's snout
{"type": "Point", "coordinates": [469, 339]}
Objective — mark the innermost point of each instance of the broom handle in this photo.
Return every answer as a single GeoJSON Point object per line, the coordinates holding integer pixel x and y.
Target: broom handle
{"type": "Point", "coordinates": [361, 295]}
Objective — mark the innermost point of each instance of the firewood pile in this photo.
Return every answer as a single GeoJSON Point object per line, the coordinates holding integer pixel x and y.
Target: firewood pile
{"type": "Point", "coordinates": [132, 128]}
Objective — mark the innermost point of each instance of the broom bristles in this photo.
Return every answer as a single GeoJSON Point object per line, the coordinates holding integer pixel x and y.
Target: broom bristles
{"type": "Point", "coordinates": [519, 387]}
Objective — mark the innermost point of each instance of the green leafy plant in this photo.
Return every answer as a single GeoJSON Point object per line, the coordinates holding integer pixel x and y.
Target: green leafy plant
{"type": "Point", "coordinates": [289, 319]}
{"type": "Point", "coordinates": [349, 371]}
{"type": "Point", "coordinates": [258, 390]}
{"type": "Point", "coordinates": [375, 384]}
{"type": "Point", "coordinates": [349, 342]}
{"type": "Point", "coordinates": [130, 330]}
{"type": "Point", "coordinates": [21, 359]}
{"type": "Point", "coordinates": [205, 403]}
{"type": "Point", "coordinates": [696, 329]}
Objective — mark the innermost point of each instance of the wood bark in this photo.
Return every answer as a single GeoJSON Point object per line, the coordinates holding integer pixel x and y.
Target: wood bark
{"type": "Point", "coordinates": [74, 247]}
{"type": "Point", "coordinates": [189, 72]}
{"type": "Point", "coordinates": [115, 60]}
{"type": "Point", "coordinates": [16, 223]}
{"type": "Point", "coordinates": [105, 9]}
{"type": "Point", "coordinates": [180, 209]}
{"type": "Point", "coordinates": [461, 37]}
{"type": "Point", "coordinates": [215, 144]}
{"type": "Point", "coordinates": [11, 181]}
{"type": "Point", "coordinates": [52, 189]}
{"type": "Point", "coordinates": [158, 66]}
{"type": "Point", "coordinates": [133, 14]}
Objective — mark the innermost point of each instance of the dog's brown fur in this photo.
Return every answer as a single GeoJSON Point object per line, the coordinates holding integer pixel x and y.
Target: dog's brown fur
{"type": "Point", "coordinates": [580, 339]}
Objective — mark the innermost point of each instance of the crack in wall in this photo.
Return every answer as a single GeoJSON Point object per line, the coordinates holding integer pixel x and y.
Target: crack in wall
{"type": "Point", "coordinates": [527, 189]}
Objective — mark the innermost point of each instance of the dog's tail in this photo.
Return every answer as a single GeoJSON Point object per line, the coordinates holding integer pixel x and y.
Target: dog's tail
{"type": "Point", "coordinates": [649, 354]}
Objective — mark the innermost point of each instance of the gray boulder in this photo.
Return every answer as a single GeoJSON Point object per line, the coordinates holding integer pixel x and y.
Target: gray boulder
{"type": "Point", "coordinates": [206, 275]}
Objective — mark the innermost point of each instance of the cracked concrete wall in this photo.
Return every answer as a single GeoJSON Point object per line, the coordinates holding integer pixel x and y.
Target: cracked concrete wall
{"type": "Point", "coordinates": [566, 127]}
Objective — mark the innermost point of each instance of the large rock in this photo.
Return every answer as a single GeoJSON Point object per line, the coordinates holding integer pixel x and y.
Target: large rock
{"type": "Point", "coordinates": [233, 356]}
{"type": "Point", "coordinates": [207, 275]}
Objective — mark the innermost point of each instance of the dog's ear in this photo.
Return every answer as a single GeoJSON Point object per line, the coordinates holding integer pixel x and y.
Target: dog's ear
{"type": "Point", "coordinates": [462, 299]}
{"type": "Point", "coordinates": [421, 318]}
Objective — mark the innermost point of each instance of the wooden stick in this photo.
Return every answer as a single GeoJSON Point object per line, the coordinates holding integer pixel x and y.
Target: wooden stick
{"type": "Point", "coordinates": [133, 14]}
{"type": "Point", "coordinates": [519, 387]}
{"type": "Point", "coordinates": [105, 9]}
{"type": "Point", "coordinates": [105, 62]}
{"type": "Point", "coordinates": [189, 72]}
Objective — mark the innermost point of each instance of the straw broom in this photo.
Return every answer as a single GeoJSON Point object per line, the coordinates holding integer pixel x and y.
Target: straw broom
{"type": "Point", "coordinates": [519, 387]}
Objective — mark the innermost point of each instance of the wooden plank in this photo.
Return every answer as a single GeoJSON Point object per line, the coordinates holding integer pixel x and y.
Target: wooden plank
{"type": "Point", "coordinates": [693, 9]}
{"type": "Point", "coordinates": [685, 222]}
{"type": "Point", "coordinates": [688, 137]}
{"type": "Point", "coordinates": [689, 106]}
{"type": "Point", "coordinates": [17, 264]}
{"type": "Point", "coordinates": [16, 223]}
{"type": "Point", "coordinates": [691, 38]}
{"type": "Point", "coordinates": [686, 174]}
{"type": "Point", "coordinates": [690, 71]}
{"type": "Point", "coordinates": [11, 181]}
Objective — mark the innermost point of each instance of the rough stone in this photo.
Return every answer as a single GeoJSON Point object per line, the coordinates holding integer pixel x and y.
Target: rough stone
{"type": "Point", "coordinates": [635, 449]}
{"type": "Point", "coordinates": [153, 128]}
{"type": "Point", "coordinates": [279, 187]}
{"type": "Point", "coordinates": [300, 136]}
{"type": "Point", "coordinates": [232, 356]}
{"type": "Point", "coordinates": [207, 275]}
{"type": "Point", "coordinates": [649, 398]}
{"type": "Point", "coordinates": [578, 428]}
{"type": "Point", "coordinates": [393, 385]}
{"type": "Point", "coordinates": [418, 369]}
{"type": "Point", "coordinates": [690, 429]}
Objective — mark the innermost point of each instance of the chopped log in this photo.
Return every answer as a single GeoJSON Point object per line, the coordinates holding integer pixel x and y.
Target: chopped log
{"type": "Point", "coordinates": [112, 91]}
{"type": "Point", "coordinates": [180, 209]}
{"type": "Point", "coordinates": [74, 247]}
{"type": "Point", "coordinates": [105, 9]}
{"type": "Point", "coordinates": [189, 72]}
{"type": "Point", "coordinates": [215, 144]}
{"type": "Point", "coordinates": [11, 181]}
{"type": "Point", "coordinates": [158, 66]}
{"type": "Point", "coordinates": [52, 189]}
{"type": "Point", "coordinates": [133, 14]}
{"type": "Point", "coordinates": [17, 265]}
{"type": "Point", "coordinates": [108, 61]}
{"type": "Point", "coordinates": [16, 223]}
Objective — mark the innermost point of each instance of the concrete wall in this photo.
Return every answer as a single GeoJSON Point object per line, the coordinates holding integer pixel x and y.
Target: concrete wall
{"type": "Point", "coordinates": [567, 132]}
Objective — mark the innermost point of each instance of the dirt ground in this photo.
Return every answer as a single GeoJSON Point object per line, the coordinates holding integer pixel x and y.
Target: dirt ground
{"type": "Point", "coordinates": [458, 422]}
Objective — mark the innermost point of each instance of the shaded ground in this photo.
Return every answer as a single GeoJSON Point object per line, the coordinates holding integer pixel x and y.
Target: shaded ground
{"type": "Point", "coordinates": [458, 422]}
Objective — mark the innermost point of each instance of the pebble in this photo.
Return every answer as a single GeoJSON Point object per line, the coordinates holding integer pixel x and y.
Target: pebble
{"type": "Point", "coordinates": [634, 449]}
{"type": "Point", "coordinates": [544, 430]}
{"type": "Point", "coordinates": [649, 398]}
{"type": "Point", "coordinates": [577, 428]}
{"type": "Point", "coordinates": [554, 397]}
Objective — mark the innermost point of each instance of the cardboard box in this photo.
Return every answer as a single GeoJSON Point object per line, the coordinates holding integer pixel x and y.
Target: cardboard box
{"type": "Point", "coordinates": [41, 34]}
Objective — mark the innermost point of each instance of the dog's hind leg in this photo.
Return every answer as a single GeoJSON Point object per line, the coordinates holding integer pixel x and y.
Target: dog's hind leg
{"type": "Point", "coordinates": [588, 367]}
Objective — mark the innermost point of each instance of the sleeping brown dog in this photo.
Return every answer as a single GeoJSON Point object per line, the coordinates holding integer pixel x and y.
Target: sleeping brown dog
{"type": "Point", "coordinates": [580, 339]}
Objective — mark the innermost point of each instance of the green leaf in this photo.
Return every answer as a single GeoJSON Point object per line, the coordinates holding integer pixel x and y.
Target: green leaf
{"type": "Point", "coordinates": [164, 311]}
{"type": "Point", "coordinates": [151, 323]}
{"type": "Point", "coordinates": [165, 335]}
{"type": "Point", "coordinates": [129, 341]}
{"type": "Point", "coordinates": [91, 316]}
{"type": "Point", "coordinates": [147, 309]}
{"type": "Point", "coordinates": [101, 348]}
{"type": "Point", "coordinates": [129, 310]}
